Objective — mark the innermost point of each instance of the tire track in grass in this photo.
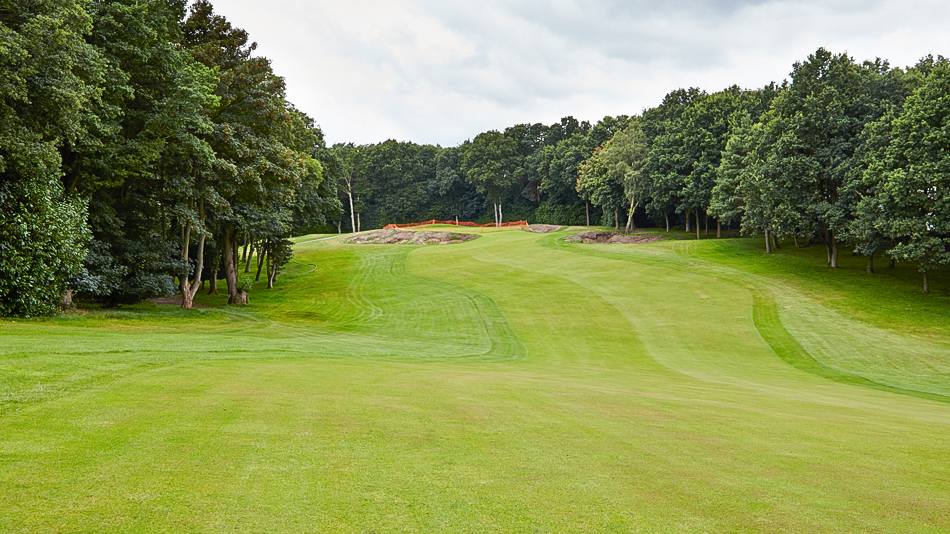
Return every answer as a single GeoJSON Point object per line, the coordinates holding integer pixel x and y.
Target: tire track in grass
{"type": "Point", "coordinates": [356, 293]}
{"type": "Point", "coordinates": [505, 345]}
{"type": "Point", "coordinates": [403, 316]}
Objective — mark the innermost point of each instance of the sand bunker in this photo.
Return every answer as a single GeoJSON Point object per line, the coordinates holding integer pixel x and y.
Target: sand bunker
{"type": "Point", "coordinates": [590, 236]}
{"type": "Point", "coordinates": [543, 228]}
{"type": "Point", "coordinates": [406, 237]}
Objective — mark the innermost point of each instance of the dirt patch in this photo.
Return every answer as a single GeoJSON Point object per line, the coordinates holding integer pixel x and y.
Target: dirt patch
{"type": "Point", "coordinates": [635, 239]}
{"type": "Point", "coordinates": [590, 236]}
{"type": "Point", "coordinates": [405, 237]}
{"type": "Point", "coordinates": [543, 228]}
{"type": "Point", "coordinates": [176, 301]}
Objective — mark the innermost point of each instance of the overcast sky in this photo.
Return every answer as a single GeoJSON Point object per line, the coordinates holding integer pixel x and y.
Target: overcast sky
{"type": "Point", "coordinates": [440, 72]}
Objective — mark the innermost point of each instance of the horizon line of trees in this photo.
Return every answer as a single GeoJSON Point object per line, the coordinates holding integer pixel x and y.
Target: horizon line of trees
{"type": "Point", "coordinates": [144, 144]}
{"type": "Point", "coordinates": [844, 154]}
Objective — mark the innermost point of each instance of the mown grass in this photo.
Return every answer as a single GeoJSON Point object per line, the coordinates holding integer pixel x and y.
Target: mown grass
{"type": "Point", "coordinates": [514, 383]}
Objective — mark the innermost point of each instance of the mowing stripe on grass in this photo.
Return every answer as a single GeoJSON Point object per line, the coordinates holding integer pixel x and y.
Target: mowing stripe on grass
{"type": "Point", "coordinates": [767, 321]}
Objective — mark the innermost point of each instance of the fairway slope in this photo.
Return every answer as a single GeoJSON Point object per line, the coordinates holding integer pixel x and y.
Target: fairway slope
{"type": "Point", "coordinates": [514, 383]}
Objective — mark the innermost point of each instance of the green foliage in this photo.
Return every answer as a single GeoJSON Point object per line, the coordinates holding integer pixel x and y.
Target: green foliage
{"type": "Point", "coordinates": [42, 240]}
{"type": "Point", "coordinates": [127, 271]}
{"type": "Point", "coordinates": [49, 87]}
{"type": "Point", "coordinates": [246, 283]}
{"type": "Point", "coordinates": [489, 162]}
{"type": "Point", "coordinates": [911, 176]}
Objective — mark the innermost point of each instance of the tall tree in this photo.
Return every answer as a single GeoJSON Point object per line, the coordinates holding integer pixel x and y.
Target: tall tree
{"type": "Point", "coordinates": [489, 162]}
{"type": "Point", "coordinates": [50, 88]}
{"type": "Point", "coordinates": [615, 174]}
{"type": "Point", "coordinates": [814, 134]}
{"type": "Point", "coordinates": [668, 164]}
{"type": "Point", "coordinates": [254, 171]}
{"type": "Point", "coordinates": [911, 176]}
{"type": "Point", "coordinates": [139, 165]}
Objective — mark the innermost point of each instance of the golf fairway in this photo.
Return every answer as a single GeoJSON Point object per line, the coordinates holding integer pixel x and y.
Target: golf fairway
{"type": "Point", "coordinates": [514, 383]}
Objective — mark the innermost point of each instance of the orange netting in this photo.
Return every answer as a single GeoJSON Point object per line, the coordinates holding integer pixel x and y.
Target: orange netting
{"type": "Point", "coordinates": [455, 223]}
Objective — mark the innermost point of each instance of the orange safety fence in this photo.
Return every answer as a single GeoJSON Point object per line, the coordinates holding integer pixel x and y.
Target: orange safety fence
{"type": "Point", "coordinates": [455, 223]}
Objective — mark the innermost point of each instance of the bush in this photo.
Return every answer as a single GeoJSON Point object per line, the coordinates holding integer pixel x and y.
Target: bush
{"type": "Point", "coordinates": [42, 240]}
{"type": "Point", "coordinates": [245, 283]}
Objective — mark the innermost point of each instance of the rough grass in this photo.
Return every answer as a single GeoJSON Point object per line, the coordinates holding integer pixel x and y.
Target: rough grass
{"type": "Point", "coordinates": [514, 383]}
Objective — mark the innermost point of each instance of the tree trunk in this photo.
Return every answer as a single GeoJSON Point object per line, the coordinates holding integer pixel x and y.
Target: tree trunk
{"type": "Point", "coordinates": [67, 302]}
{"type": "Point", "coordinates": [261, 254]}
{"type": "Point", "coordinates": [501, 218]}
{"type": "Point", "coordinates": [187, 299]}
{"type": "Point", "coordinates": [687, 221]}
{"type": "Point", "coordinates": [891, 264]}
{"type": "Point", "coordinates": [230, 272]}
{"type": "Point", "coordinates": [718, 229]}
{"type": "Point", "coordinates": [768, 246]}
{"type": "Point", "coordinates": [349, 193]}
{"type": "Point", "coordinates": [697, 224]}
{"type": "Point", "coordinates": [587, 208]}
{"type": "Point", "coordinates": [616, 218]}
{"type": "Point", "coordinates": [706, 217]}
{"type": "Point", "coordinates": [270, 274]}
{"type": "Point", "coordinates": [871, 263]}
{"type": "Point", "coordinates": [236, 265]}
{"type": "Point", "coordinates": [359, 225]}
{"type": "Point", "coordinates": [273, 275]}
{"type": "Point", "coordinates": [339, 230]}
{"type": "Point", "coordinates": [213, 283]}
{"type": "Point", "coordinates": [667, 217]}
{"type": "Point", "coordinates": [190, 288]}
{"type": "Point", "coordinates": [926, 285]}
{"type": "Point", "coordinates": [834, 255]}
{"type": "Point", "coordinates": [183, 277]}
{"type": "Point", "coordinates": [250, 254]}
{"type": "Point", "coordinates": [831, 246]}
{"type": "Point", "coordinates": [629, 226]}
{"type": "Point", "coordinates": [774, 241]}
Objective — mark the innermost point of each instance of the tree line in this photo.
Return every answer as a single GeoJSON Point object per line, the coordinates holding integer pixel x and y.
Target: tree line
{"type": "Point", "coordinates": [529, 171]}
{"type": "Point", "coordinates": [141, 145]}
{"type": "Point", "coordinates": [146, 149]}
{"type": "Point", "coordinates": [843, 154]}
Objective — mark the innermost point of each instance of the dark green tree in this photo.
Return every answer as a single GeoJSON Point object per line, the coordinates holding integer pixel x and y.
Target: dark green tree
{"type": "Point", "coordinates": [911, 177]}
{"type": "Point", "coordinates": [489, 162]}
{"type": "Point", "coordinates": [50, 88]}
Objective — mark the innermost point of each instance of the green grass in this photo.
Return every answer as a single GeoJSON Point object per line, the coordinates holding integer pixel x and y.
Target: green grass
{"type": "Point", "coordinates": [514, 383]}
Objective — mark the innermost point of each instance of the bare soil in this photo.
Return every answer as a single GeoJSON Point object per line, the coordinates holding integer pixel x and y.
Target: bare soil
{"type": "Point", "coordinates": [590, 236]}
{"type": "Point", "coordinates": [407, 237]}
{"type": "Point", "coordinates": [543, 228]}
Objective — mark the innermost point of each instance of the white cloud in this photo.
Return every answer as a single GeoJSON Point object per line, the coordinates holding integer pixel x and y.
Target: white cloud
{"type": "Point", "coordinates": [440, 72]}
